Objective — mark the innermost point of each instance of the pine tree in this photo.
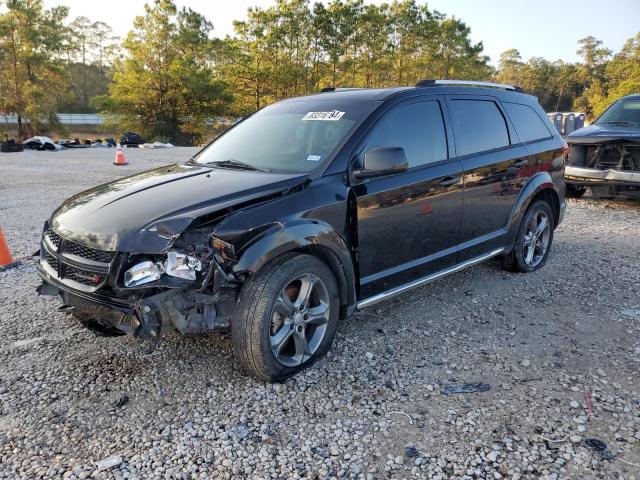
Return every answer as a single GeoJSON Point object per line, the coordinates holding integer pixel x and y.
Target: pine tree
{"type": "Point", "coordinates": [32, 43]}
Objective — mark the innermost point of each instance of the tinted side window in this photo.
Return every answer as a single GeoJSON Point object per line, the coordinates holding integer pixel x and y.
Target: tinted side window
{"type": "Point", "coordinates": [418, 128]}
{"type": "Point", "coordinates": [526, 121]}
{"type": "Point", "coordinates": [478, 125]}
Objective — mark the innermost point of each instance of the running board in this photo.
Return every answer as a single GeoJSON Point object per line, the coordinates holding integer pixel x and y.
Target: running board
{"type": "Point", "coordinates": [428, 279]}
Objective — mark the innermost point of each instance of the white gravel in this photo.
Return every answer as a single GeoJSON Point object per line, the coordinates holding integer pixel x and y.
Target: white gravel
{"type": "Point", "coordinates": [73, 405]}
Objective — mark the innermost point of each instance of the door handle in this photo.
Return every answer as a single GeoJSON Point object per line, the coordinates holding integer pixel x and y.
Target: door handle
{"type": "Point", "coordinates": [449, 181]}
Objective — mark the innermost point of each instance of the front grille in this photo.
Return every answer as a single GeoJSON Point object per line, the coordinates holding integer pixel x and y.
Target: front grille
{"type": "Point", "coordinates": [87, 268]}
{"type": "Point", "coordinates": [51, 261]}
{"type": "Point", "coordinates": [54, 238]}
{"type": "Point", "coordinates": [84, 277]}
{"type": "Point", "coordinates": [88, 253]}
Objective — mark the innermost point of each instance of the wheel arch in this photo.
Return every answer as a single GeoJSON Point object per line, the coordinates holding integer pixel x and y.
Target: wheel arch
{"type": "Point", "coordinates": [310, 237]}
{"type": "Point", "coordinates": [540, 187]}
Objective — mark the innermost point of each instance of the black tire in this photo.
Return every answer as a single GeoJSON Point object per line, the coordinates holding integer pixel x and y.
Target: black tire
{"type": "Point", "coordinates": [571, 191]}
{"type": "Point", "coordinates": [516, 260]}
{"type": "Point", "coordinates": [252, 325]}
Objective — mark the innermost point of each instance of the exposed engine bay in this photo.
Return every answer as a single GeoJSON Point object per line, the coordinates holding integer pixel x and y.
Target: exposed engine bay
{"type": "Point", "coordinates": [618, 155]}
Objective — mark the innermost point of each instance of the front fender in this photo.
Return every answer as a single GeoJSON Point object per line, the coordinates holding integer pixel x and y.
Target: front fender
{"type": "Point", "coordinates": [537, 183]}
{"type": "Point", "coordinates": [282, 238]}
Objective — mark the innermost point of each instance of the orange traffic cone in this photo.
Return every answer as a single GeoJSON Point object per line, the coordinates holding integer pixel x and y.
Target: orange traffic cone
{"type": "Point", "coordinates": [120, 160]}
{"type": "Point", "coordinates": [6, 260]}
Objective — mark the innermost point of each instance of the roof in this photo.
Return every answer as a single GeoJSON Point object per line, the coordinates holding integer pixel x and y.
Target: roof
{"type": "Point", "coordinates": [381, 94]}
{"type": "Point", "coordinates": [348, 94]}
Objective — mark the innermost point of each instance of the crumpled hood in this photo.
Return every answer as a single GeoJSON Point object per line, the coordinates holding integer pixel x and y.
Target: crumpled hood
{"type": "Point", "coordinates": [146, 212]}
{"type": "Point", "coordinates": [598, 133]}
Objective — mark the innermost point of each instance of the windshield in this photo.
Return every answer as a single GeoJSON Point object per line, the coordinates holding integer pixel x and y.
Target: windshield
{"type": "Point", "coordinates": [623, 112]}
{"type": "Point", "coordinates": [287, 137]}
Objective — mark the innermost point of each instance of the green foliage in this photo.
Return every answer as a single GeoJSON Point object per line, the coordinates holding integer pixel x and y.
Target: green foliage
{"type": "Point", "coordinates": [84, 82]}
{"type": "Point", "coordinates": [621, 77]}
{"type": "Point", "coordinates": [170, 78]}
{"type": "Point", "coordinates": [91, 51]}
{"type": "Point", "coordinates": [589, 86]}
{"type": "Point", "coordinates": [164, 87]}
{"type": "Point", "coordinates": [292, 49]}
{"type": "Point", "coordinates": [32, 40]}
{"type": "Point", "coordinates": [554, 83]}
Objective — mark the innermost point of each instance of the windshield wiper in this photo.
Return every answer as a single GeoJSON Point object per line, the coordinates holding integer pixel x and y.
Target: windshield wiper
{"type": "Point", "coordinates": [231, 163]}
{"type": "Point", "coordinates": [619, 122]}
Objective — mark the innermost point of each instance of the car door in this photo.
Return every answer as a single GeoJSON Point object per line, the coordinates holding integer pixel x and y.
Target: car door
{"type": "Point", "coordinates": [408, 223]}
{"type": "Point", "coordinates": [495, 166]}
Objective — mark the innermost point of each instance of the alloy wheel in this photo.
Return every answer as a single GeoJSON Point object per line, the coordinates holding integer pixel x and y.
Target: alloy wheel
{"type": "Point", "coordinates": [536, 239]}
{"type": "Point", "coordinates": [299, 320]}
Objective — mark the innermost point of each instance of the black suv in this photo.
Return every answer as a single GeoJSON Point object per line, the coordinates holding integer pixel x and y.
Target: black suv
{"type": "Point", "coordinates": [308, 210]}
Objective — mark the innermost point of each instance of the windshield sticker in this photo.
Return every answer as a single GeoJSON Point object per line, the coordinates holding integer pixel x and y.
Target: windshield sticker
{"type": "Point", "coordinates": [326, 116]}
{"type": "Point", "coordinates": [313, 158]}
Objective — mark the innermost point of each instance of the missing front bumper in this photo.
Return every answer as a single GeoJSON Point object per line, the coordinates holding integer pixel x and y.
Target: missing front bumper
{"type": "Point", "coordinates": [188, 312]}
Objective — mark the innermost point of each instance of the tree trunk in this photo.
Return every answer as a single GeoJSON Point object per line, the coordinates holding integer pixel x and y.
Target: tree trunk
{"type": "Point", "coordinates": [334, 74]}
{"type": "Point", "coordinates": [559, 98]}
{"type": "Point", "coordinates": [257, 85]}
{"type": "Point", "coordinates": [20, 127]}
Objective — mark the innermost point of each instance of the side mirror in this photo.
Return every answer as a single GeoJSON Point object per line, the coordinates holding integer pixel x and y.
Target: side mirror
{"type": "Point", "coordinates": [380, 161]}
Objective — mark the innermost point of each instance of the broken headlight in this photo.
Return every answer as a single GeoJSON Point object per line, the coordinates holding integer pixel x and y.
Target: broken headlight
{"type": "Point", "coordinates": [176, 264]}
{"type": "Point", "coordinates": [143, 272]}
{"type": "Point", "coordinates": [181, 265]}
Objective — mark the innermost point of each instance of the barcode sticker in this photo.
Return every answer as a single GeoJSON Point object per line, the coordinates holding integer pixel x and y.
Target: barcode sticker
{"type": "Point", "coordinates": [331, 116]}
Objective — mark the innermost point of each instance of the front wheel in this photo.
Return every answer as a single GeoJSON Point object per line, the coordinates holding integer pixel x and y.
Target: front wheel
{"type": "Point", "coordinates": [286, 317]}
{"type": "Point", "coordinates": [533, 241]}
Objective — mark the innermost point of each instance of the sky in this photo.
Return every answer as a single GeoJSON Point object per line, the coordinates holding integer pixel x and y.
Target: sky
{"type": "Point", "coordinates": [540, 28]}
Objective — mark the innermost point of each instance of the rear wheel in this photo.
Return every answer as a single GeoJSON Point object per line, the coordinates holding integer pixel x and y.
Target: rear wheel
{"type": "Point", "coordinates": [286, 317]}
{"type": "Point", "coordinates": [533, 240]}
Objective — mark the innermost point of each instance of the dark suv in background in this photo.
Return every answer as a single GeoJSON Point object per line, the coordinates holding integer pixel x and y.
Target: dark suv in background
{"type": "Point", "coordinates": [605, 156]}
{"type": "Point", "coordinates": [308, 210]}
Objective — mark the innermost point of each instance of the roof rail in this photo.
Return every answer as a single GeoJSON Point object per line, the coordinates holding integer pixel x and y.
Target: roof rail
{"type": "Point", "coordinates": [467, 83]}
{"type": "Point", "coordinates": [338, 89]}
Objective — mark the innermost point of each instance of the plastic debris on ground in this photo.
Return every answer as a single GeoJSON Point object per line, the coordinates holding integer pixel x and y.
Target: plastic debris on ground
{"type": "Point", "coordinates": [631, 312]}
{"type": "Point", "coordinates": [11, 146]}
{"type": "Point", "coordinates": [599, 447]}
{"type": "Point", "coordinates": [466, 388]}
{"type": "Point", "coordinates": [41, 143]}
{"type": "Point", "coordinates": [108, 463]}
{"type": "Point", "coordinates": [156, 145]}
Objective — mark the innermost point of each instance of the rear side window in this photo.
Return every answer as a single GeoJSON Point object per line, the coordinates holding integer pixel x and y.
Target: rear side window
{"type": "Point", "coordinates": [527, 122]}
{"type": "Point", "coordinates": [478, 125]}
{"type": "Point", "coordinates": [418, 128]}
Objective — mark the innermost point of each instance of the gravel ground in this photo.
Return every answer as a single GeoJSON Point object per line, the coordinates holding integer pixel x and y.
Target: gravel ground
{"type": "Point", "coordinates": [558, 350]}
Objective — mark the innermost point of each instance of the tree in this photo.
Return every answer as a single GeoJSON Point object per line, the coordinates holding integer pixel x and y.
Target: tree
{"type": "Point", "coordinates": [82, 38]}
{"type": "Point", "coordinates": [621, 74]}
{"type": "Point", "coordinates": [244, 61]}
{"type": "Point", "coordinates": [375, 37]}
{"type": "Point", "coordinates": [32, 43]}
{"type": "Point", "coordinates": [591, 73]}
{"type": "Point", "coordinates": [509, 67]}
{"type": "Point", "coordinates": [292, 49]}
{"type": "Point", "coordinates": [165, 86]}
{"type": "Point", "coordinates": [105, 44]}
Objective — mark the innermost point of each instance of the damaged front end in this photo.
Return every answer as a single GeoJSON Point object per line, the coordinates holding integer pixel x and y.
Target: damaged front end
{"type": "Point", "coordinates": [189, 288]}
{"type": "Point", "coordinates": [607, 166]}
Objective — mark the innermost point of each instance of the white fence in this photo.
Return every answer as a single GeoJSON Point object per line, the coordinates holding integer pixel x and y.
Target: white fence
{"type": "Point", "coordinates": [94, 119]}
{"type": "Point", "coordinates": [65, 119]}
